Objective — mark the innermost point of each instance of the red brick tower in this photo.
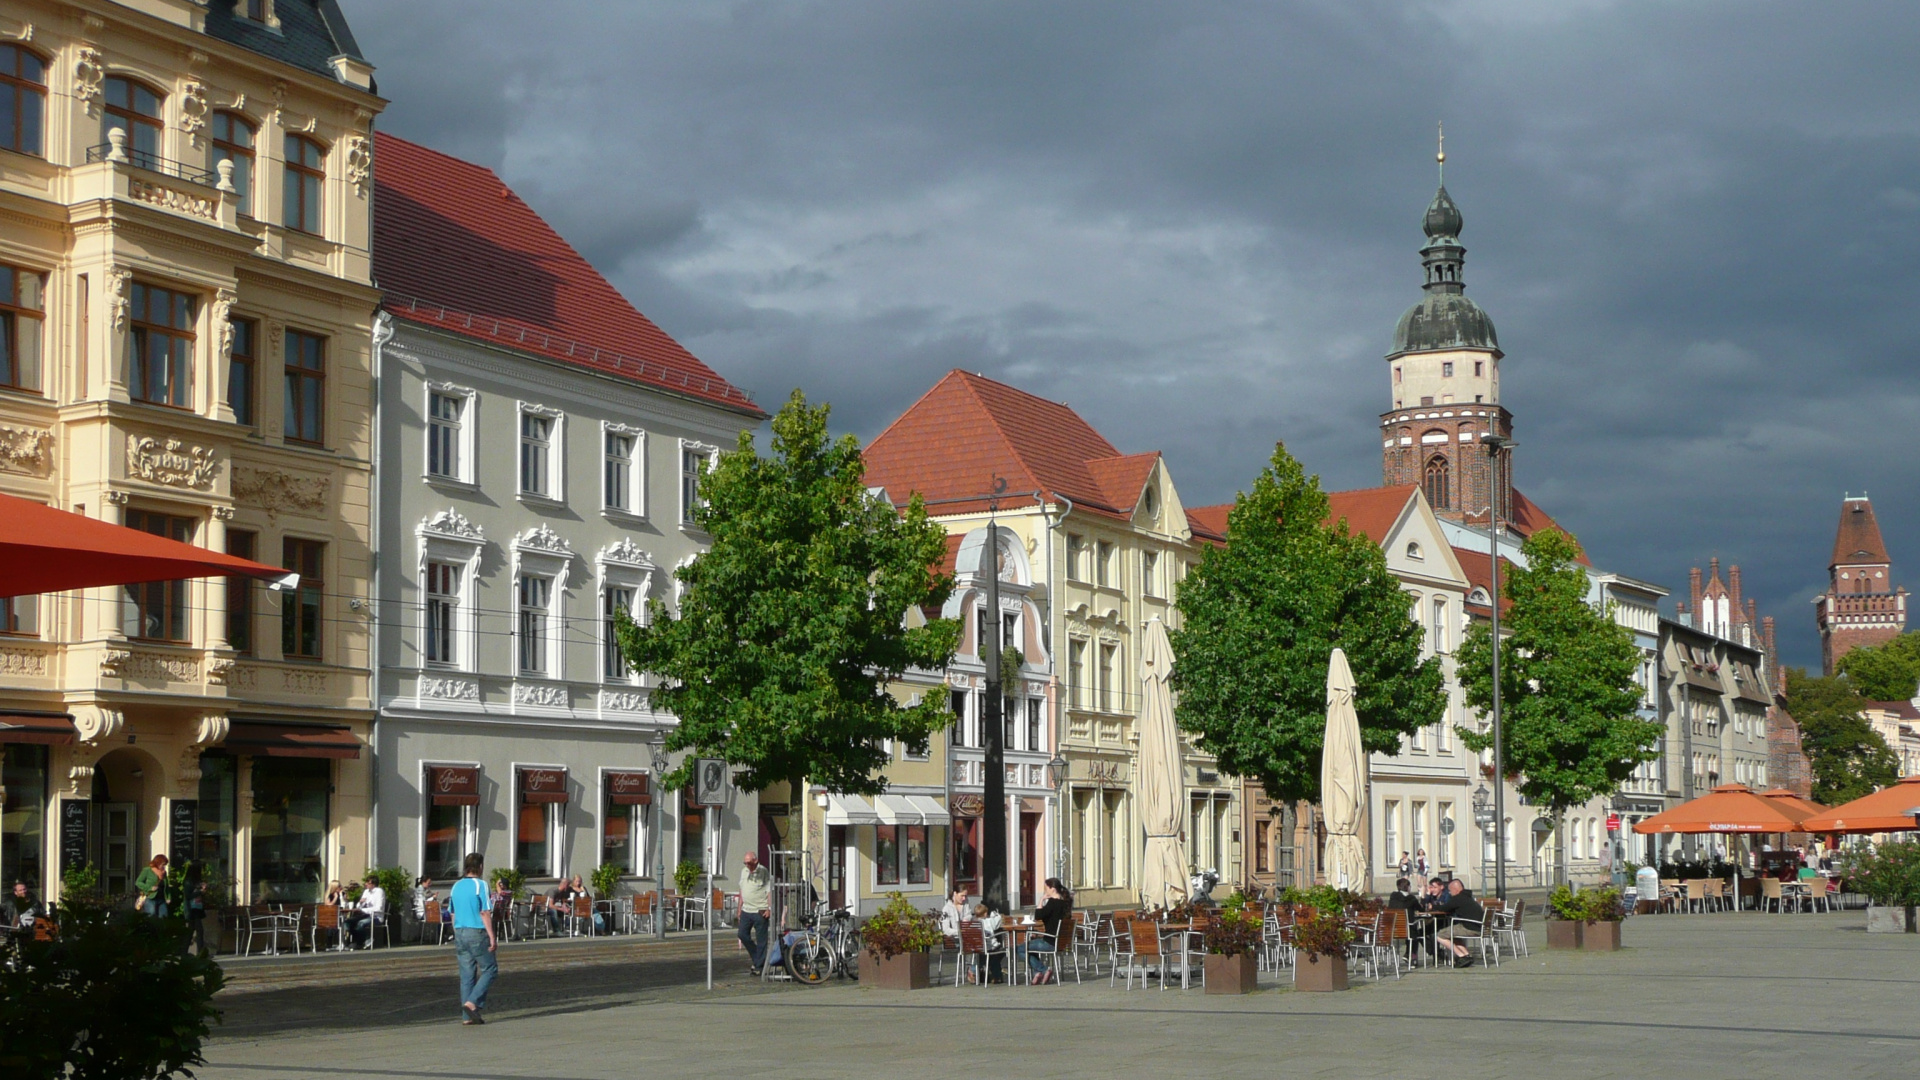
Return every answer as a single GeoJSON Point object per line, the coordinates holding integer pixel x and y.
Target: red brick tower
{"type": "Point", "coordinates": [1445, 376]}
{"type": "Point", "coordinates": [1861, 606]}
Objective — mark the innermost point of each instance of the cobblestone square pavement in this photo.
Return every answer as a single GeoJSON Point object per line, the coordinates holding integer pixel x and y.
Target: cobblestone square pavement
{"type": "Point", "coordinates": [1690, 996]}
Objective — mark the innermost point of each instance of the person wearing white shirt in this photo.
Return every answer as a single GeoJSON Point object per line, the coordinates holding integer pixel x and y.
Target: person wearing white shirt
{"type": "Point", "coordinates": [954, 913]}
{"type": "Point", "coordinates": [370, 909]}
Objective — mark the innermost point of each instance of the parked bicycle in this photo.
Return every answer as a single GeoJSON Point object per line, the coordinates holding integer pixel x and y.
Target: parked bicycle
{"type": "Point", "coordinates": [831, 946]}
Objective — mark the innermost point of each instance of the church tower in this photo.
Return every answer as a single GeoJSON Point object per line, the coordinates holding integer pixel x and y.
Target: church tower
{"type": "Point", "coordinates": [1861, 606]}
{"type": "Point", "coordinates": [1445, 379]}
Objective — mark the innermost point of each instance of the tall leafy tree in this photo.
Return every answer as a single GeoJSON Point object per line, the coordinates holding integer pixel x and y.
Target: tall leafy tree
{"type": "Point", "coordinates": [1568, 700]}
{"type": "Point", "coordinates": [1260, 618]}
{"type": "Point", "coordinates": [791, 625]}
{"type": "Point", "coordinates": [1889, 672]}
{"type": "Point", "coordinates": [1849, 759]}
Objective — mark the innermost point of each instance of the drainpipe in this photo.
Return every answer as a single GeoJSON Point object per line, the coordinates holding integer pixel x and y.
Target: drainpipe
{"type": "Point", "coordinates": [376, 568]}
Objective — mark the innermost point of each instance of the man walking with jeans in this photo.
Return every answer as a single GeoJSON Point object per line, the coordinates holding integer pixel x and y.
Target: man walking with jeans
{"type": "Point", "coordinates": [755, 906]}
{"type": "Point", "coordinates": [473, 939]}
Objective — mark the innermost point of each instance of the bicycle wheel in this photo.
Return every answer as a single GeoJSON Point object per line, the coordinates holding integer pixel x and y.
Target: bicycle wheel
{"type": "Point", "coordinates": [809, 960]}
{"type": "Point", "coordinates": [850, 956]}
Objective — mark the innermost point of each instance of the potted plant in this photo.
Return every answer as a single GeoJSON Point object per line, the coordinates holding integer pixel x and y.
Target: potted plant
{"type": "Point", "coordinates": [510, 879]}
{"type": "Point", "coordinates": [1566, 914]}
{"type": "Point", "coordinates": [1599, 927]}
{"type": "Point", "coordinates": [1889, 876]}
{"type": "Point", "coordinates": [1320, 940]}
{"type": "Point", "coordinates": [604, 880]}
{"type": "Point", "coordinates": [1232, 942]}
{"type": "Point", "coordinates": [686, 877]}
{"type": "Point", "coordinates": [897, 939]}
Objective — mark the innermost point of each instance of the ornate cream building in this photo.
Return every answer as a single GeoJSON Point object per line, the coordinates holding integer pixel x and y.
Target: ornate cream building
{"type": "Point", "coordinates": [187, 312]}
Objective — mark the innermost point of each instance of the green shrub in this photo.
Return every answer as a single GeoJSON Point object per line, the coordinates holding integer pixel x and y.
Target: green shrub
{"type": "Point", "coordinates": [1603, 904]}
{"type": "Point", "coordinates": [397, 882]}
{"type": "Point", "coordinates": [1235, 931]}
{"type": "Point", "coordinates": [114, 995]}
{"type": "Point", "coordinates": [1321, 932]}
{"type": "Point", "coordinates": [513, 880]}
{"type": "Point", "coordinates": [605, 879]}
{"type": "Point", "coordinates": [1888, 874]}
{"type": "Point", "coordinates": [686, 877]}
{"type": "Point", "coordinates": [899, 927]}
{"type": "Point", "coordinates": [79, 883]}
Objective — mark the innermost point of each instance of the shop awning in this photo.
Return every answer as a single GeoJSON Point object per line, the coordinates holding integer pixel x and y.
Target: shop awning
{"type": "Point", "coordinates": [909, 810]}
{"type": "Point", "coordinates": [1729, 808]}
{"type": "Point", "coordinates": [43, 549]}
{"type": "Point", "coordinates": [46, 729]}
{"type": "Point", "coordinates": [262, 739]}
{"type": "Point", "coordinates": [1888, 810]}
{"type": "Point", "coordinates": [540, 785]}
{"type": "Point", "coordinates": [628, 789]}
{"type": "Point", "coordinates": [454, 785]}
{"type": "Point", "coordinates": [850, 810]}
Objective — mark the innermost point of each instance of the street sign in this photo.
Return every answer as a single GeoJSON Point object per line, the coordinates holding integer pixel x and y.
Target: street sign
{"type": "Point", "coordinates": [710, 782]}
{"type": "Point", "coordinates": [1613, 822]}
{"type": "Point", "coordinates": [1446, 826]}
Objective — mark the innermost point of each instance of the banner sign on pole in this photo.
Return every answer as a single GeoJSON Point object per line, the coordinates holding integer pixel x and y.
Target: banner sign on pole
{"type": "Point", "coordinates": [710, 782]}
{"type": "Point", "coordinates": [1613, 822]}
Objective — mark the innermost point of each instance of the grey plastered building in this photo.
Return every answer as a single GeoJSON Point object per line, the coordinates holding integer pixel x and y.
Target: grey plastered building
{"type": "Point", "coordinates": [538, 443]}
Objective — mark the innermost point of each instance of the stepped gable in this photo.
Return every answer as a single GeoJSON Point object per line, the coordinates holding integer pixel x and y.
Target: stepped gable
{"type": "Point", "coordinates": [455, 250]}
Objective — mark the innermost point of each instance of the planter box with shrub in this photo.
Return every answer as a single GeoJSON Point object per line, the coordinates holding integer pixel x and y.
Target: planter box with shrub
{"type": "Point", "coordinates": [1232, 974]}
{"type": "Point", "coordinates": [901, 971]}
{"type": "Point", "coordinates": [1319, 973]}
{"type": "Point", "coordinates": [1889, 876]}
{"type": "Point", "coordinates": [1563, 933]}
{"type": "Point", "coordinates": [1599, 936]}
{"type": "Point", "coordinates": [897, 938]}
{"type": "Point", "coordinates": [1884, 919]}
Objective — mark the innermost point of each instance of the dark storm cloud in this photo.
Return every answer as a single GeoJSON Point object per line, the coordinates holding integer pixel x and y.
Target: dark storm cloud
{"type": "Point", "coordinates": [1693, 224]}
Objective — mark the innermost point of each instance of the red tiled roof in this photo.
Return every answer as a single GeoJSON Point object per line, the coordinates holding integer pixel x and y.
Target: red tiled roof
{"type": "Point", "coordinates": [1902, 709]}
{"type": "Point", "coordinates": [1370, 512]}
{"type": "Point", "coordinates": [456, 250]}
{"type": "Point", "coordinates": [1528, 519]}
{"type": "Point", "coordinates": [1478, 566]}
{"type": "Point", "coordinates": [1209, 522]}
{"type": "Point", "coordinates": [1858, 538]}
{"type": "Point", "coordinates": [968, 429]}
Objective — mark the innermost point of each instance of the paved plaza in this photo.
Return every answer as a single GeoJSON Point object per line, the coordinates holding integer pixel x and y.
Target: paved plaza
{"type": "Point", "coordinates": [1695, 996]}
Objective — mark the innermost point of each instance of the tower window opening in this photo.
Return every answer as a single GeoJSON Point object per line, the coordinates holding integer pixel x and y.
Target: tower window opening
{"type": "Point", "coordinates": [1446, 369]}
{"type": "Point", "coordinates": [1437, 483]}
{"type": "Point", "coordinates": [1479, 368]}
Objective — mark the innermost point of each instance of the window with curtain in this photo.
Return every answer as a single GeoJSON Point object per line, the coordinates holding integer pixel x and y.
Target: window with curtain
{"type": "Point", "coordinates": [535, 594]}
{"type": "Point", "coordinates": [135, 109]}
{"type": "Point", "coordinates": [446, 414]}
{"type": "Point", "coordinates": [536, 449]}
{"type": "Point", "coordinates": [246, 545]}
{"type": "Point", "coordinates": [158, 610]}
{"type": "Point", "coordinates": [242, 389]}
{"type": "Point", "coordinates": [617, 472]}
{"type": "Point", "coordinates": [442, 614]}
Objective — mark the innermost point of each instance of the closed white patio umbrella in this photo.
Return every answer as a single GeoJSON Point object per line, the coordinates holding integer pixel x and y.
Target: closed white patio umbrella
{"type": "Point", "coordinates": [1343, 781]}
{"type": "Point", "coordinates": [1163, 879]}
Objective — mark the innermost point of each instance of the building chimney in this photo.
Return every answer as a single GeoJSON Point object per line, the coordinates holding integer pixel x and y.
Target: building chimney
{"type": "Point", "coordinates": [1693, 582]}
{"type": "Point", "coordinates": [1733, 588]}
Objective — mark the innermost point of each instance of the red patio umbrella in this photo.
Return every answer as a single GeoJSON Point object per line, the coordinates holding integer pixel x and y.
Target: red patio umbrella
{"type": "Point", "coordinates": [47, 550]}
{"type": "Point", "coordinates": [1888, 810]}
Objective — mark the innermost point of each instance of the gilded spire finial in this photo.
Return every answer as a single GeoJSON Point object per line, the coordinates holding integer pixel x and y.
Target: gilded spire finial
{"type": "Point", "coordinates": [1441, 157]}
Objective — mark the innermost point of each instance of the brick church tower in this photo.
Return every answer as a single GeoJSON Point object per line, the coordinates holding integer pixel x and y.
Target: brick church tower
{"type": "Point", "coordinates": [1445, 373]}
{"type": "Point", "coordinates": [1861, 605]}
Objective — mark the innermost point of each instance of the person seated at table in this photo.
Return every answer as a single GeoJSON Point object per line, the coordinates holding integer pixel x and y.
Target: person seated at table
{"type": "Point", "coordinates": [422, 892]}
{"type": "Point", "coordinates": [579, 886]}
{"type": "Point", "coordinates": [560, 908]}
{"type": "Point", "coordinates": [336, 896]}
{"type": "Point", "coordinates": [19, 911]}
{"type": "Point", "coordinates": [1051, 916]}
{"type": "Point", "coordinates": [990, 921]}
{"type": "Point", "coordinates": [954, 912]}
{"type": "Point", "coordinates": [1403, 898]}
{"type": "Point", "coordinates": [1461, 906]}
{"type": "Point", "coordinates": [1434, 895]}
{"type": "Point", "coordinates": [370, 909]}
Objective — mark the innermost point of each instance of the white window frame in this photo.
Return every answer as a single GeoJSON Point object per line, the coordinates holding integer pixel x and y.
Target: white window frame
{"type": "Point", "coordinates": [620, 565]}
{"type": "Point", "coordinates": [641, 866]}
{"type": "Point", "coordinates": [469, 820]}
{"type": "Point", "coordinates": [1438, 621]}
{"type": "Point", "coordinates": [464, 439]}
{"type": "Point", "coordinates": [448, 537]}
{"type": "Point", "coordinates": [712, 454]}
{"type": "Point", "coordinates": [1150, 574]}
{"type": "Point", "coordinates": [636, 486]}
{"type": "Point", "coordinates": [538, 552]}
{"type": "Point", "coordinates": [556, 452]}
{"type": "Point", "coordinates": [557, 853]}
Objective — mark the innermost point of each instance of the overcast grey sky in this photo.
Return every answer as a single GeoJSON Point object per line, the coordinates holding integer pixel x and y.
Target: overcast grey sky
{"type": "Point", "coordinates": [1694, 225]}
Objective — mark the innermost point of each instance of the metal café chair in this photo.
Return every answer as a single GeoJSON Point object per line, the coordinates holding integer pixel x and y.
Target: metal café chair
{"type": "Point", "coordinates": [433, 919]}
{"type": "Point", "coordinates": [1144, 936]}
{"type": "Point", "coordinates": [326, 919]}
{"type": "Point", "coordinates": [975, 942]}
{"type": "Point", "coordinates": [579, 913]}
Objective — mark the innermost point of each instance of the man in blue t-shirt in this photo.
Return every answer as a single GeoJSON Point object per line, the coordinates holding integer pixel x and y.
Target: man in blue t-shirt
{"type": "Point", "coordinates": [473, 939]}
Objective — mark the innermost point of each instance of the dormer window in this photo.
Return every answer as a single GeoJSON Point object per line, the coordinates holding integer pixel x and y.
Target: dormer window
{"type": "Point", "coordinates": [260, 11]}
{"type": "Point", "coordinates": [1413, 552]}
{"type": "Point", "coordinates": [1150, 502]}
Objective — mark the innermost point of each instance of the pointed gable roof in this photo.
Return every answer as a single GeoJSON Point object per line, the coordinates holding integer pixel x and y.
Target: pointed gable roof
{"type": "Point", "coordinates": [968, 429]}
{"type": "Point", "coordinates": [1478, 566]}
{"type": "Point", "coordinates": [456, 250]}
{"type": "Point", "coordinates": [1370, 512]}
{"type": "Point", "coordinates": [1209, 522]}
{"type": "Point", "coordinates": [1858, 538]}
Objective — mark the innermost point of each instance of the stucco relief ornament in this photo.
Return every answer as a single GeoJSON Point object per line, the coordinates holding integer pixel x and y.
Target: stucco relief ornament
{"type": "Point", "coordinates": [542, 538]}
{"type": "Point", "coordinates": [223, 302]}
{"type": "Point", "coordinates": [220, 671]}
{"type": "Point", "coordinates": [382, 328]}
{"type": "Point", "coordinates": [113, 663]}
{"type": "Point", "coordinates": [625, 552]}
{"type": "Point", "coordinates": [26, 450]}
{"type": "Point", "coordinates": [193, 111]}
{"type": "Point", "coordinates": [452, 523]}
{"type": "Point", "coordinates": [275, 491]}
{"type": "Point", "coordinates": [359, 163]}
{"type": "Point", "coordinates": [94, 723]}
{"type": "Point", "coordinates": [121, 280]}
{"type": "Point", "coordinates": [171, 462]}
{"type": "Point", "coordinates": [89, 72]}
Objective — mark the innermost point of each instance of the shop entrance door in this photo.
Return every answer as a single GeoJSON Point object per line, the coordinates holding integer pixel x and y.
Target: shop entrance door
{"type": "Point", "coordinates": [1029, 859]}
{"type": "Point", "coordinates": [836, 867]}
{"type": "Point", "coordinates": [116, 846]}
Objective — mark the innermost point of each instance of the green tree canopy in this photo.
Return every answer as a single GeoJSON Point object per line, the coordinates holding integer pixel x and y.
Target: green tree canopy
{"type": "Point", "coordinates": [792, 624]}
{"type": "Point", "coordinates": [1889, 672]}
{"type": "Point", "coordinates": [1568, 700]}
{"type": "Point", "coordinates": [1849, 758]}
{"type": "Point", "coordinates": [1260, 618]}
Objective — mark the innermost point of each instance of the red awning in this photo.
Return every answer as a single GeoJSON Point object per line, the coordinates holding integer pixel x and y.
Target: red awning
{"type": "Point", "coordinates": [46, 550]}
{"type": "Point", "coordinates": [46, 729]}
{"type": "Point", "coordinates": [539, 785]}
{"type": "Point", "coordinates": [292, 740]}
{"type": "Point", "coordinates": [454, 785]}
{"type": "Point", "coordinates": [628, 789]}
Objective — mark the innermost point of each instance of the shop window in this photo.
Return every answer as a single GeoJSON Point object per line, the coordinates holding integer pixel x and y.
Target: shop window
{"type": "Point", "coordinates": [290, 826]}
{"type": "Point", "coordinates": [23, 303]}
{"type": "Point", "coordinates": [215, 817]}
{"type": "Point", "coordinates": [157, 610]}
{"type": "Point", "coordinates": [532, 838]}
{"type": "Point", "coordinates": [623, 828]}
{"type": "Point", "coordinates": [901, 855]}
{"type": "Point", "coordinates": [445, 846]}
{"type": "Point", "coordinates": [300, 622]}
{"type": "Point", "coordinates": [23, 775]}
{"type": "Point", "coordinates": [693, 830]}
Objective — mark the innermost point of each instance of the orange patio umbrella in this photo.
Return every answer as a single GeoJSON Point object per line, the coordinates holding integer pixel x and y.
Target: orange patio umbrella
{"type": "Point", "coordinates": [47, 550]}
{"type": "Point", "coordinates": [1729, 808]}
{"type": "Point", "coordinates": [1888, 810]}
{"type": "Point", "coordinates": [1797, 805]}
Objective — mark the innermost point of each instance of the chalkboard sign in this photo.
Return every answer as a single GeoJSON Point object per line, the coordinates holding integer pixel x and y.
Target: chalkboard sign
{"type": "Point", "coordinates": [73, 834]}
{"type": "Point", "coordinates": [181, 822]}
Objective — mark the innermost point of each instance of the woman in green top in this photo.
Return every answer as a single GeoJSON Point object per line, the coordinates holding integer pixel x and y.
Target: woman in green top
{"type": "Point", "coordinates": [151, 885]}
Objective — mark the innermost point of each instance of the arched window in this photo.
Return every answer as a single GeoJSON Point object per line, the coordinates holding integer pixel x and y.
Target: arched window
{"type": "Point", "coordinates": [23, 100]}
{"type": "Point", "coordinates": [1438, 483]}
{"type": "Point", "coordinates": [305, 170]}
{"type": "Point", "coordinates": [233, 141]}
{"type": "Point", "coordinates": [135, 109]}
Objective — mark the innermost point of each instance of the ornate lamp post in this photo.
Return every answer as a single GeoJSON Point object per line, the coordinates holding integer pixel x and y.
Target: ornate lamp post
{"type": "Point", "coordinates": [1483, 817]}
{"type": "Point", "coordinates": [1057, 771]}
{"type": "Point", "coordinates": [1495, 444]}
{"type": "Point", "coordinates": [660, 764]}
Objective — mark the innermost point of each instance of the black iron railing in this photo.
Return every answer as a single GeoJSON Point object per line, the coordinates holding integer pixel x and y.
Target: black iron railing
{"type": "Point", "coordinates": [153, 163]}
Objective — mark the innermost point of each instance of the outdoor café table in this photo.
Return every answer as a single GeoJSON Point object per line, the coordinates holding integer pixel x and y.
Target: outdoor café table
{"type": "Point", "coordinates": [1424, 929]}
{"type": "Point", "coordinates": [611, 909]}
